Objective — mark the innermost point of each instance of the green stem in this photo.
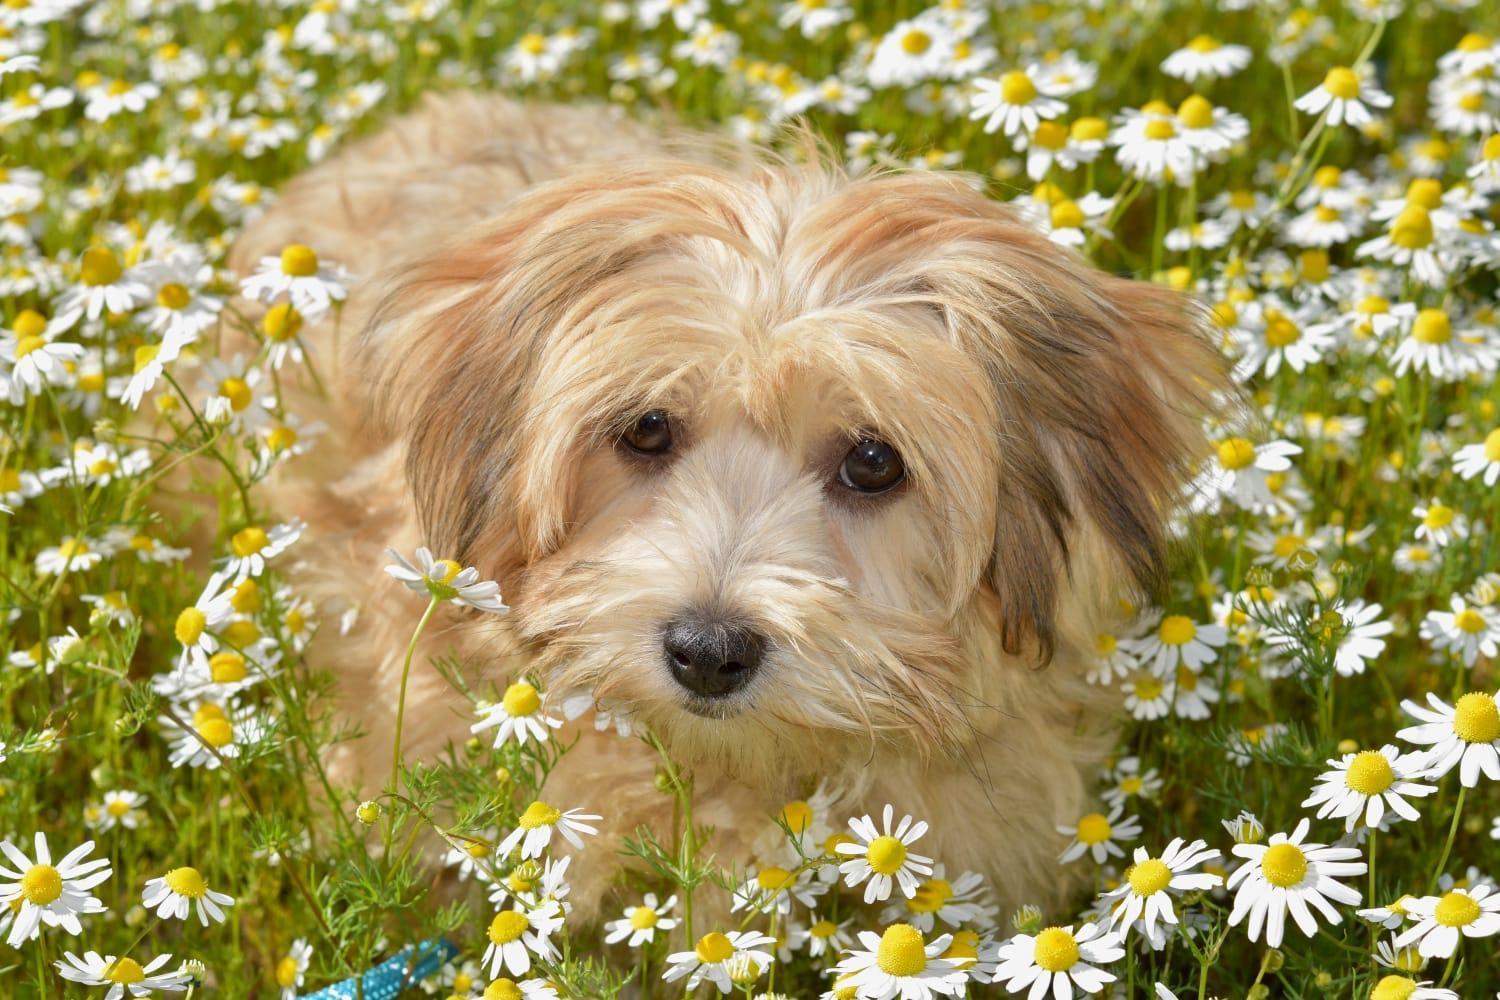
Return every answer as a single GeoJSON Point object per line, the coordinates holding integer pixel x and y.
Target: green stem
{"type": "Point", "coordinates": [1458, 809]}
{"type": "Point", "coordinates": [394, 784]}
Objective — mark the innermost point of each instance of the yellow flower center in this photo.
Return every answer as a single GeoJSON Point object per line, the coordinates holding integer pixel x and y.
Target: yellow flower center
{"type": "Point", "coordinates": [190, 625]}
{"type": "Point", "coordinates": [1177, 629]}
{"type": "Point", "coordinates": [445, 570]}
{"type": "Point", "coordinates": [172, 296]}
{"type": "Point", "coordinates": [1148, 877]}
{"type": "Point", "coordinates": [1050, 135]}
{"type": "Point", "coordinates": [1204, 43]}
{"type": "Point", "coordinates": [125, 970]}
{"type": "Point", "coordinates": [1469, 620]}
{"type": "Point", "coordinates": [886, 855]}
{"type": "Point", "coordinates": [227, 667]}
{"type": "Point", "coordinates": [477, 849]}
{"type": "Point", "coordinates": [1280, 330]}
{"type": "Point", "coordinates": [216, 733]}
{"type": "Point", "coordinates": [1089, 129]}
{"type": "Point", "coordinates": [964, 949]}
{"type": "Point", "coordinates": [248, 541]}
{"type": "Point", "coordinates": [1236, 453]}
{"type": "Point", "coordinates": [1067, 215]}
{"type": "Point", "coordinates": [539, 814]}
{"type": "Point", "coordinates": [773, 879]}
{"type": "Point", "coordinates": [30, 323]}
{"type": "Point", "coordinates": [1147, 687]}
{"type": "Point", "coordinates": [521, 699]}
{"type": "Point", "coordinates": [1456, 909]}
{"type": "Point", "coordinates": [915, 42]}
{"type": "Point", "coordinates": [713, 948]}
{"type": "Point", "coordinates": [241, 634]}
{"type": "Point", "coordinates": [246, 597]}
{"type": "Point", "coordinates": [1056, 950]}
{"type": "Point", "coordinates": [1016, 88]}
{"type": "Point", "coordinates": [507, 927]}
{"type": "Point", "coordinates": [1492, 446]}
{"type": "Point", "coordinates": [797, 815]}
{"type": "Point", "coordinates": [642, 917]}
{"type": "Point", "coordinates": [41, 884]}
{"type": "Point", "coordinates": [281, 438]}
{"type": "Point", "coordinates": [99, 267]}
{"type": "Point", "coordinates": [27, 345]}
{"type": "Point", "coordinates": [1284, 865]}
{"type": "Point", "coordinates": [930, 896]}
{"type": "Point", "coordinates": [237, 391]}
{"type": "Point", "coordinates": [186, 882]}
{"type": "Point", "coordinates": [1412, 229]}
{"type": "Point", "coordinates": [1160, 130]}
{"type": "Point", "coordinates": [503, 989]}
{"type": "Point", "coordinates": [1472, 101]}
{"type": "Point", "coordinates": [1369, 773]}
{"type": "Point", "coordinates": [1426, 192]}
{"type": "Point", "coordinates": [902, 951]}
{"type": "Point", "coordinates": [1196, 112]}
{"type": "Point", "coordinates": [1475, 718]}
{"type": "Point", "coordinates": [299, 261]}
{"type": "Point", "coordinates": [1093, 829]}
{"type": "Point", "coordinates": [823, 929]}
{"type": "Point", "coordinates": [144, 355]}
{"type": "Point", "coordinates": [1432, 326]}
{"type": "Point", "coordinates": [117, 807]}
{"type": "Point", "coordinates": [286, 972]}
{"type": "Point", "coordinates": [1393, 988]}
{"type": "Point", "coordinates": [281, 322]}
{"type": "Point", "coordinates": [1342, 82]}
{"type": "Point", "coordinates": [1474, 42]}
{"type": "Point", "coordinates": [533, 44]}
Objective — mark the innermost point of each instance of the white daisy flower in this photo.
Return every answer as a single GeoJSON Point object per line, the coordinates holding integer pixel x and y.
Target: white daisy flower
{"type": "Point", "coordinates": [1290, 875]}
{"type": "Point", "coordinates": [912, 52]}
{"type": "Point", "coordinates": [821, 936]}
{"type": "Point", "coordinates": [640, 923]}
{"type": "Point", "coordinates": [121, 807]}
{"type": "Point", "coordinates": [1057, 960]}
{"type": "Point", "coordinates": [124, 976]}
{"type": "Point", "coordinates": [172, 896]}
{"type": "Point", "coordinates": [1443, 921]}
{"type": "Point", "coordinates": [1097, 835]}
{"type": "Point", "coordinates": [516, 935]}
{"type": "Point", "coordinates": [1145, 893]}
{"type": "Point", "coordinates": [516, 716]}
{"type": "Point", "coordinates": [957, 903]}
{"type": "Point", "coordinates": [1466, 735]}
{"type": "Point", "coordinates": [446, 580]}
{"type": "Point", "coordinates": [1151, 146]}
{"type": "Point", "coordinates": [1466, 630]}
{"type": "Point", "coordinates": [211, 728]}
{"type": "Point", "coordinates": [1390, 916]}
{"type": "Point", "coordinates": [103, 286]}
{"type": "Point", "coordinates": [774, 889]}
{"type": "Point", "coordinates": [1239, 471]}
{"type": "Point", "coordinates": [1148, 695]}
{"type": "Point", "coordinates": [899, 963]}
{"type": "Point", "coordinates": [1480, 460]}
{"type": "Point", "coordinates": [533, 831]}
{"type": "Point", "coordinates": [1180, 641]}
{"type": "Point", "coordinates": [1130, 781]}
{"type": "Point", "coordinates": [195, 626]}
{"type": "Point", "coordinates": [311, 285]}
{"type": "Point", "coordinates": [54, 895]}
{"type": "Point", "coordinates": [1394, 987]}
{"type": "Point", "coordinates": [291, 970]}
{"type": "Point", "coordinates": [1207, 57]}
{"type": "Point", "coordinates": [716, 956]}
{"type": "Point", "coordinates": [71, 555]}
{"type": "Point", "coordinates": [32, 361]}
{"type": "Point", "coordinates": [881, 854]}
{"type": "Point", "coordinates": [1015, 103]}
{"type": "Point", "coordinates": [1360, 787]}
{"type": "Point", "coordinates": [1344, 93]}
{"type": "Point", "coordinates": [251, 547]}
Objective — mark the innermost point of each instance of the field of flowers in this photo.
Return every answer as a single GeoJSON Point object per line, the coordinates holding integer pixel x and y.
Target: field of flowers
{"type": "Point", "coordinates": [1306, 801]}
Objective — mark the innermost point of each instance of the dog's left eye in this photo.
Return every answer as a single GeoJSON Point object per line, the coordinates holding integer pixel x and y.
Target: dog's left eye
{"type": "Point", "coordinates": [871, 467]}
{"type": "Point", "coordinates": [651, 434]}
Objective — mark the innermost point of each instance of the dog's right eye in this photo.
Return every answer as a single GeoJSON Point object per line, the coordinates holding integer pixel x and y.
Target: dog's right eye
{"type": "Point", "coordinates": [651, 434]}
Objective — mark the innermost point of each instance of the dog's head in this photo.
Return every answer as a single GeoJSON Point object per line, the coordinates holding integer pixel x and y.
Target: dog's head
{"type": "Point", "coordinates": [774, 453]}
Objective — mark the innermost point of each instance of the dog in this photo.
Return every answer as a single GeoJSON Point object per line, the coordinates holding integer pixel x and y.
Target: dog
{"type": "Point", "coordinates": [823, 478]}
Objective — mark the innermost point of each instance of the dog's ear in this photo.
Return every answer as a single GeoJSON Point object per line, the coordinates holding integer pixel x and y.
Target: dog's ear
{"type": "Point", "coordinates": [1101, 385]}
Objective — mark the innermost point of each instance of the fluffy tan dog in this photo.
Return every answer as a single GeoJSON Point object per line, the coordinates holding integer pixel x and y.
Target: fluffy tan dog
{"type": "Point", "coordinates": [822, 478]}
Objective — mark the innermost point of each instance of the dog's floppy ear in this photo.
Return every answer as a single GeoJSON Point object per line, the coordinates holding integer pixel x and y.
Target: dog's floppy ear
{"type": "Point", "coordinates": [1101, 385]}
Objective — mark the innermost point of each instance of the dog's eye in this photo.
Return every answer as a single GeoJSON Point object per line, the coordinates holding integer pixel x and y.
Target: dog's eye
{"type": "Point", "coordinates": [651, 434]}
{"type": "Point", "coordinates": [871, 467]}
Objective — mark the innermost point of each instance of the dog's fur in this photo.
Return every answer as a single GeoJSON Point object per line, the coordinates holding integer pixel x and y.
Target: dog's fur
{"type": "Point", "coordinates": [518, 307]}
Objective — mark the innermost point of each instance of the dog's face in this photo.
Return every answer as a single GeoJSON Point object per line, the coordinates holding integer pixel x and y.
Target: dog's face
{"type": "Point", "coordinates": [781, 456]}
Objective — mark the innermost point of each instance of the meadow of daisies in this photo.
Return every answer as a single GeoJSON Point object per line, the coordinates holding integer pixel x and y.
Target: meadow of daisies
{"type": "Point", "coordinates": [1306, 798]}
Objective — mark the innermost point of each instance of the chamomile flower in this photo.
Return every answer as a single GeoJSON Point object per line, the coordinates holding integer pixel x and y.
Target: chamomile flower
{"type": "Point", "coordinates": [1148, 695]}
{"type": "Point", "coordinates": [103, 286]}
{"type": "Point", "coordinates": [516, 716]}
{"type": "Point", "coordinates": [718, 957]}
{"type": "Point", "coordinates": [1015, 103]}
{"type": "Point", "coordinates": [121, 807]}
{"type": "Point", "coordinates": [124, 976]}
{"type": "Point", "coordinates": [1145, 893]}
{"type": "Point", "coordinates": [879, 855]}
{"type": "Point", "coordinates": [1057, 960]}
{"type": "Point", "coordinates": [640, 923]}
{"type": "Point", "coordinates": [195, 627]}
{"type": "Point", "coordinates": [311, 285]}
{"type": "Point", "coordinates": [534, 830]}
{"type": "Point", "coordinates": [1480, 460]}
{"type": "Point", "coordinates": [54, 895]}
{"type": "Point", "coordinates": [1239, 472]}
{"type": "Point", "coordinates": [172, 896]}
{"type": "Point", "coordinates": [1099, 835]}
{"type": "Point", "coordinates": [1128, 781]}
{"type": "Point", "coordinates": [291, 969]}
{"type": "Point", "coordinates": [71, 555]}
{"type": "Point", "coordinates": [820, 936]}
{"type": "Point", "coordinates": [253, 546]}
{"type": "Point", "coordinates": [911, 52]}
{"type": "Point", "coordinates": [1289, 874]}
{"type": "Point", "coordinates": [210, 733]}
{"type": "Point", "coordinates": [445, 580]}
{"type": "Point", "coordinates": [1444, 921]}
{"type": "Point", "coordinates": [1180, 641]}
{"type": "Point", "coordinates": [516, 935]}
{"type": "Point", "coordinates": [900, 963]}
{"type": "Point", "coordinates": [1466, 630]}
{"type": "Point", "coordinates": [1151, 146]}
{"type": "Point", "coordinates": [1207, 57]}
{"type": "Point", "coordinates": [31, 361]}
{"type": "Point", "coordinates": [1360, 787]}
{"type": "Point", "coordinates": [1346, 94]}
{"type": "Point", "coordinates": [1465, 735]}
{"type": "Point", "coordinates": [961, 901]}
{"type": "Point", "coordinates": [775, 889]}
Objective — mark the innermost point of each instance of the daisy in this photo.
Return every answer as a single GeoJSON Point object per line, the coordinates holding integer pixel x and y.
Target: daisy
{"type": "Point", "coordinates": [880, 855]}
{"type": "Point", "coordinates": [1467, 631]}
{"type": "Point", "coordinates": [1417, 559]}
{"type": "Point", "coordinates": [1111, 660]}
{"type": "Point", "coordinates": [1056, 960]}
{"type": "Point", "coordinates": [103, 286]}
{"type": "Point", "coordinates": [445, 580]}
{"type": "Point", "coordinates": [195, 626]}
{"type": "Point", "coordinates": [251, 547]}
{"type": "Point", "coordinates": [34, 361]}
{"type": "Point", "coordinates": [517, 716]}
{"type": "Point", "coordinates": [1148, 695]}
{"type": "Point", "coordinates": [1096, 834]}
{"type": "Point", "coordinates": [813, 17]}
{"type": "Point", "coordinates": [1443, 921]}
{"type": "Point", "coordinates": [1192, 694]}
{"type": "Point", "coordinates": [956, 903]}
{"type": "Point", "coordinates": [292, 969]}
{"type": "Point", "coordinates": [1288, 874]}
{"type": "Point", "coordinates": [1466, 734]}
{"type": "Point", "coordinates": [1015, 103]}
{"type": "Point", "coordinates": [1402, 988]}
{"type": "Point", "coordinates": [515, 935]}
{"type": "Point", "coordinates": [1275, 338]}
{"type": "Point", "coordinates": [311, 285]}
{"type": "Point", "coordinates": [533, 831]}
{"type": "Point", "coordinates": [1388, 917]}
{"type": "Point", "coordinates": [71, 555]}
{"type": "Point", "coordinates": [172, 896]}
{"type": "Point", "coordinates": [1145, 893]}
{"type": "Point", "coordinates": [1180, 641]}
{"type": "Point", "coordinates": [123, 976]}
{"type": "Point", "coordinates": [774, 888]}
{"type": "Point", "coordinates": [50, 894]}
{"type": "Point", "coordinates": [912, 52]}
{"type": "Point", "coordinates": [1129, 781]}
{"type": "Point", "coordinates": [899, 963]}
{"type": "Point", "coordinates": [821, 936]}
{"type": "Point", "coordinates": [640, 923]}
{"type": "Point", "coordinates": [1207, 57]}
{"type": "Point", "coordinates": [715, 955]}
{"type": "Point", "coordinates": [212, 733]}
{"type": "Point", "coordinates": [1360, 787]}
{"type": "Point", "coordinates": [1239, 472]}
{"type": "Point", "coordinates": [121, 807]}
{"type": "Point", "coordinates": [1344, 94]}
{"type": "Point", "coordinates": [526, 989]}
{"type": "Point", "coordinates": [1482, 459]}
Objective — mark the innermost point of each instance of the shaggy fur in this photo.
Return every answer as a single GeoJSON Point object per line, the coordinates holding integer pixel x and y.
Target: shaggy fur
{"type": "Point", "coordinates": [533, 279]}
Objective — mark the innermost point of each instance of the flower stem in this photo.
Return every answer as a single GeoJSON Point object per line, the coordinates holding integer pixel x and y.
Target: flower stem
{"type": "Point", "coordinates": [1458, 809]}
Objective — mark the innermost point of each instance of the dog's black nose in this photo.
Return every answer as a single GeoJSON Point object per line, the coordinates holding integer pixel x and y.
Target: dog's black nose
{"type": "Point", "coordinates": [711, 657]}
